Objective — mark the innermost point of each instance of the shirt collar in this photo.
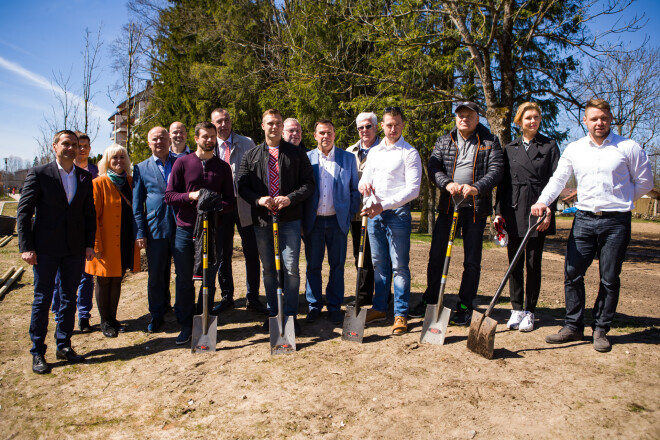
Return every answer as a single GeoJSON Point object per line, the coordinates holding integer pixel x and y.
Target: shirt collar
{"type": "Point", "coordinates": [229, 139]}
{"type": "Point", "coordinates": [331, 154]}
{"type": "Point", "coordinates": [609, 140]}
{"type": "Point", "coordinates": [399, 143]}
{"type": "Point", "coordinates": [157, 159]}
{"type": "Point", "coordinates": [59, 167]}
{"type": "Point", "coordinates": [376, 142]}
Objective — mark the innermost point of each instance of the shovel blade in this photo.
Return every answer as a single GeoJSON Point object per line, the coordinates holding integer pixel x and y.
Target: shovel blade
{"type": "Point", "coordinates": [204, 340]}
{"type": "Point", "coordinates": [282, 339]}
{"type": "Point", "coordinates": [434, 331]}
{"type": "Point", "coordinates": [353, 330]}
{"type": "Point", "coordinates": [481, 337]}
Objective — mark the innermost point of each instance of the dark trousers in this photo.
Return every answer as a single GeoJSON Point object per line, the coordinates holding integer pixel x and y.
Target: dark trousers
{"type": "Point", "coordinates": [184, 258]}
{"type": "Point", "coordinates": [531, 258]}
{"type": "Point", "coordinates": [159, 258]}
{"type": "Point", "coordinates": [250, 252]}
{"type": "Point", "coordinates": [608, 238]}
{"type": "Point", "coordinates": [472, 232]}
{"type": "Point", "coordinates": [365, 293]}
{"type": "Point", "coordinates": [70, 268]}
{"type": "Point", "coordinates": [85, 297]}
{"type": "Point", "coordinates": [107, 298]}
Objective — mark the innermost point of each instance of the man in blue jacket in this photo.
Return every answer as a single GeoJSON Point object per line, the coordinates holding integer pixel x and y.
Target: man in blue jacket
{"type": "Point", "coordinates": [327, 218]}
{"type": "Point", "coordinates": [155, 221]}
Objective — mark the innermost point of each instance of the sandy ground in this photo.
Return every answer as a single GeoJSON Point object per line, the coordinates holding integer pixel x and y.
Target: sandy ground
{"type": "Point", "coordinates": [143, 386]}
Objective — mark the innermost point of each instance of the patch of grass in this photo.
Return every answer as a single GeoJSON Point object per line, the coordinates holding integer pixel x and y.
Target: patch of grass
{"type": "Point", "coordinates": [636, 407]}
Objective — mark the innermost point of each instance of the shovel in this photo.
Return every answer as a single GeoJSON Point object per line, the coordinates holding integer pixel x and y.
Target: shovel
{"type": "Point", "coordinates": [436, 319]}
{"type": "Point", "coordinates": [355, 318]}
{"type": "Point", "coordinates": [481, 337]}
{"type": "Point", "coordinates": [205, 330]}
{"type": "Point", "coordinates": [282, 330]}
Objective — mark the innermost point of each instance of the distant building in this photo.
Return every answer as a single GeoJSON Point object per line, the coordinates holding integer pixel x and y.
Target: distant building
{"type": "Point", "coordinates": [139, 103]}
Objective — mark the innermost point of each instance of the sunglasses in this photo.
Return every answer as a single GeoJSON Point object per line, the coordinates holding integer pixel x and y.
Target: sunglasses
{"type": "Point", "coordinates": [392, 109]}
{"type": "Point", "coordinates": [365, 127]}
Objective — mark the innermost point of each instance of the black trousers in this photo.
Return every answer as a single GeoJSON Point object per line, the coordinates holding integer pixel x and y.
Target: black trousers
{"type": "Point", "coordinates": [366, 285]}
{"type": "Point", "coordinates": [531, 258]}
{"type": "Point", "coordinates": [107, 298]}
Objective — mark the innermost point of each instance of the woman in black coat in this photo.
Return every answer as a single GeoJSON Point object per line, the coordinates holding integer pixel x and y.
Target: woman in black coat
{"type": "Point", "coordinates": [529, 162]}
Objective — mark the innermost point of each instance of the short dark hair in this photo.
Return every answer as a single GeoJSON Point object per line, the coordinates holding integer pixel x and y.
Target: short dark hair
{"type": "Point", "coordinates": [394, 111]}
{"type": "Point", "coordinates": [206, 125]}
{"type": "Point", "coordinates": [271, 111]}
{"type": "Point", "coordinates": [323, 121]}
{"type": "Point", "coordinates": [82, 135]}
{"type": "Point", "coordinates": [61, 133]}
{"type": "Point", "coordinates": [598, 103]}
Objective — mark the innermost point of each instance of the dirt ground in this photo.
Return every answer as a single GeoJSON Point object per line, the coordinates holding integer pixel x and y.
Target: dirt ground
{"type": "Point", "coordinates": [144, 386]}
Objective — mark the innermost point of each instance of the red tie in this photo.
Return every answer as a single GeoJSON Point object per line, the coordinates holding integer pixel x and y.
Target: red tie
{"type": "Point", "coordinates": [274, 171]}
{"type": "Point", "coordinates": [227, 151]}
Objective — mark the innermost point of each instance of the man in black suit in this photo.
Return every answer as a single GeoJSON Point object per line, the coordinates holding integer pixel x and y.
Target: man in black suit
{"type": "Point", "coordinates": [60, 196]}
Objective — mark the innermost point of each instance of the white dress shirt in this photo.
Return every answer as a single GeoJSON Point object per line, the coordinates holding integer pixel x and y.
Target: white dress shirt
{"type": "Point", "coordinates": [327, 168]}
{"type": "Point", "coordinates": [68, 181]}
{"type": "Point", "coordinates": [395, 172]}
{"type": "Point", "coordinates": [610, 177]}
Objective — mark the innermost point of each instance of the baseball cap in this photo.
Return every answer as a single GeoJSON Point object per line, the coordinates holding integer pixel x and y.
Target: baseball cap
{"type": "Point", "coordinates": [468, 104]}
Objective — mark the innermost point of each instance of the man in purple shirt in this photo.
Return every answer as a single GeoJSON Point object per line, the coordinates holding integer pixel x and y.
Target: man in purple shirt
{"type": "Point", "coordinates": [190, 174]}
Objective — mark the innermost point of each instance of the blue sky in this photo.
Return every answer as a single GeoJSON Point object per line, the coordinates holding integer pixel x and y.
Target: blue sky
{"type": "Point", "coordinates": [40, 37]}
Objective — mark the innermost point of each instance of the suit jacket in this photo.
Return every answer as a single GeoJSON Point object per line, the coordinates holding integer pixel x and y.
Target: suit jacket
{"type": "Point", "coordinates": [59, 228]}
{"type": "Point", "coordinates": [345, 194]}
{"type": "Point", "coordinates": [355, 150]}
{"type": "Point", "coordinates": [296, 181]}
{"type": "Point", "coordinates": [526, 173]}
{"type": "Point", "coordinates": [154, 219]}
{"type": "Point", "coordinates": [108, 228]}
{"type": "Point", "coordinates": [240, 146]}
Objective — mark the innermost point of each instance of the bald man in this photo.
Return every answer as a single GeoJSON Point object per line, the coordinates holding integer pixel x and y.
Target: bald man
{"type": "Point", "coordinates": [155, 234]}
{"type": "Point", "coordinates": [178, 136]}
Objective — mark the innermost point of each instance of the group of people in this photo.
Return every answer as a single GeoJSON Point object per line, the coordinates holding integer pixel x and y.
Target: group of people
{"type": "Point", "coordinates": [319, 196]}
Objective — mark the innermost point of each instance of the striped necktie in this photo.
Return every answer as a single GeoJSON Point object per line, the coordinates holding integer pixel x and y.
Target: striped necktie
{"type": "Point", "coordinates": [273, 171]}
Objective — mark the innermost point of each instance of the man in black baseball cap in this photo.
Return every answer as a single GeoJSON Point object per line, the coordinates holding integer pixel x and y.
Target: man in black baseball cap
{"type": "Point", "coordinates": [466, 162]}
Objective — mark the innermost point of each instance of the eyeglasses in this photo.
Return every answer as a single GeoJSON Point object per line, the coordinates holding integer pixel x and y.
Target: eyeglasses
{"type": "Point", "coordinates": [365, 127]}
{"type": "Point", "coordinates": [393, 109]}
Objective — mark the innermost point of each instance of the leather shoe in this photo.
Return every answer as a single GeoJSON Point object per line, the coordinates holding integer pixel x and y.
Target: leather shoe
{"type": "Point", "coordinates": [119, 327]}
{"type": "Point", "coordinates": [256, 306]}
{"type": "Point", "coordinates": [83, 325]}
{"type": "Point", "coordinates": [312, 315]}
{"type": "Point", "coordinates": [184, 336]}
{"type": "Point", "coordinates": [601, 343]}
{"type": "Point", "coordinates": [39, 364]}
{"type": "Point", "coordinates": [108, 330]}
{"type": "Point", "coordinates": [154, 325]}
{"type": "Point", "coordinates": [374, 316]}
{"type": "Point", "coordinates": [336, 317]}
{"type": "Point", "coordinates": [67, 354]}
{"type": "Point", "coordinates": [224, 305]}
{"type": "Point", "coordinates": [400, 325]}
{"type": "Point", "coordinates": [564, 335]}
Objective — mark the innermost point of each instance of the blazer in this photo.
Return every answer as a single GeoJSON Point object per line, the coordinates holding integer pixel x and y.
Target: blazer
{"type": "Point", "coordinates": [108, 227]}
{"type": "Point", "coordinates": [154, 219]}
{"type": "Point", "coordinates": [59, 228]}
{"type": "Point", "coordinates": [296, 181]}
{"type": "Point", "coordinates": [355, 150]}
{"type": "Point", "coordinates": [526, 173]}
{"type": "Point", "coordinates": [345, 194]}
{"type": "Point", "coordinates": [241, 145]}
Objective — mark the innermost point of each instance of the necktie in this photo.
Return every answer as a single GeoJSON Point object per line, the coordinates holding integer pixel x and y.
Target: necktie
{"type": "Point", "coordinates": [227, 151]}
{"type": "Point", "coordinates": [273, 171]}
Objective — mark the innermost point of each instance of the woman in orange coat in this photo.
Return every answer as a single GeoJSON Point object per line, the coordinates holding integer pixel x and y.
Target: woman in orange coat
{"type": "Point", "coordinates": [115, 246]}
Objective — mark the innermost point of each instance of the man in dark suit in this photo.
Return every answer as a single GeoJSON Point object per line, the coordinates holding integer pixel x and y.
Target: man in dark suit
{"type": "Point", "coordinates": [60, 195]}
{"type": "Point", "coordinates": [155, 221]}
{"type": "Point", "coordinates": [277, 176]}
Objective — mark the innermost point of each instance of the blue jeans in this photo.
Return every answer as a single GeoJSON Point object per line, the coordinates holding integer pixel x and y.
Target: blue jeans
{"type": "Point", "coordinates": [473, 233]}
{"type": "Point", "coordinates": [184, 259]}
{"type": "Point", "coordinates": [389, 234]}
{"type": "Point", "coordinates": [325, 232]}
{"type": "Point", "coordinates": [159, 258]}
{"type": "Point", "coordinates": [608, 238]}
{"type": "Point", "coordinates": [290, 249]}
{"type": "Point", "coordinates": [85, 296]}
{"type": "Point", "coordinates": [45, 271]}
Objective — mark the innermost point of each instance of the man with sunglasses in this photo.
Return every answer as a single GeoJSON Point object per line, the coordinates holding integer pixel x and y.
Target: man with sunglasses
{"type": "Point", "coordinates": [367, 126]}
{"type": "Point", "coordinates": [467, 162]}
{"type": "Point", "coordinates": [391, 179]}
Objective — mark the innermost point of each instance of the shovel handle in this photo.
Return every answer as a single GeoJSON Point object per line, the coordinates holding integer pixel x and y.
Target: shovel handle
{"type": "Point", "coordinates": [205, 266]}
{"type": "Point", "coordinates": [360, 265]}
{"type": "Point", "coordinates": [280, 272]}
{"type": "Point", "coordinates": [519, 252]}
{"type": "Point", "coordinates": [445, 269]}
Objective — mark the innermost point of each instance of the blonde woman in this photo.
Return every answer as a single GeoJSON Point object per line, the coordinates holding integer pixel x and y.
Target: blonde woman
{"type": "Point", "coordinates": [529, 162]}
{"type": "Point", "coordinates": [115, 246]}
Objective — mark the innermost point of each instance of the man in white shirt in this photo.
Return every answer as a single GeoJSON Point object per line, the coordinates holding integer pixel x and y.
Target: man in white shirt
{"type": "Point", "coordinates": [178, 137]}
{"type": "Point", "coordinates": [326, 220]}
{"type": "Point", "coordinates": [611, 172]}
{"type": "Point", "coordinates": [392, 179]}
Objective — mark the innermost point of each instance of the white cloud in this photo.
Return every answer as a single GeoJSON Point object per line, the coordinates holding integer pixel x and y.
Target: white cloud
{"type": "Point", "coordinates": [41, 82]}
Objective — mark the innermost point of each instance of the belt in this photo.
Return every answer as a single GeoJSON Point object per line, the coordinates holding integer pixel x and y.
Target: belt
{"type": "Point", "coordinates": [604, 213]}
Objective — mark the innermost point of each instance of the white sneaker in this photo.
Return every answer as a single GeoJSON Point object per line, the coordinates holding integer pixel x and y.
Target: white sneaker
{"type": "Point", "coordinates": [514, 321]}
{"type": "Point", "coordinates": [527, 323]}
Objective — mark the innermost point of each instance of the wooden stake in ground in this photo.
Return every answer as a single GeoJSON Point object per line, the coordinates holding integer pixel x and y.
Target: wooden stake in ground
{"type": "Point", "coordinates": [5, 288]}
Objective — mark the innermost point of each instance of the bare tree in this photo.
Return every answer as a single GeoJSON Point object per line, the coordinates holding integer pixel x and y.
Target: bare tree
{"type": "Point", "coordinates": [91, 61]}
